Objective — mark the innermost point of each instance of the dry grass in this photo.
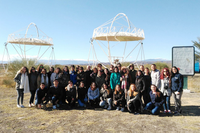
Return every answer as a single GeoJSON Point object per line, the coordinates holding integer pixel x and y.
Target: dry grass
{"type": "Point", "coordinates": [15, 119]}
{"type": "Point", "coordinates": [193, 83]}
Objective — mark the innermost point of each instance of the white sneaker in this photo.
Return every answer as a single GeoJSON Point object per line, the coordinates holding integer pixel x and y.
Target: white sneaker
{"type": "Point", "coordinates": [32, 104]}
{"type": "Point", "coordinates": [54, 106]}
{"type": "Point", "coordinates": [29, 105]}
{"type": "Point", "coordinates": [18, 106]}
{"type": "Point", "coordinates": [22, 106]}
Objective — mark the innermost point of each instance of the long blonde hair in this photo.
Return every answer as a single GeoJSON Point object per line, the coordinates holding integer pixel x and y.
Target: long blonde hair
{"type": "Point", "coordinates": [131, 92]}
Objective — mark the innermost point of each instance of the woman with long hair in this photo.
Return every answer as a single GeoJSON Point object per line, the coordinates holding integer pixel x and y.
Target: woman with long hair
{"type": "Point", "coordinates": [105, 97]}
{"type": "Point", "coordinates": [147, 79]}
{"type": "Point", "coordinates": [125, 80]}
{"type": "Point", "coordinates": [177, 88]}
{"type": "Point", "coordinates": [56, 75]}
{"type": "Point", "coordinates": [157, 100]}
{"type": "Point", "coordinates": [140, 84]}
{"type": "Point", "coordinates": [114, 78]}
{"type": "Point", "coordinates": [107, 76]}
{"type": "Point", "coordinates": [43, 78]}
{"type": "Point", "coordinates": [119, 98]}
{"type": "Point", "coordinates": [32, 85]}
{"type": "Point", "coordinates": [93, 95]}
{"type": "Point", "coordinates": [93, 75]}
{"type": "Point", "coordinates": [22, 85]}
{"type": "Point", "coordinates": [166, 89]}
{"type": "Point", "coordinates": [39, 68]}
{"type": "Point", "coordinates": [133, 100]}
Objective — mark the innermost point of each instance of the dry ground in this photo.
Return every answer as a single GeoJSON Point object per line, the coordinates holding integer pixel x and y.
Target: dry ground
{"type": "Point", "coordinates": [30, 120]}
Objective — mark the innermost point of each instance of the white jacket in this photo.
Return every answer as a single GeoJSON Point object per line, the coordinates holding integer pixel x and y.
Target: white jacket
{"type": "Point", "coordinates": [155, 78]}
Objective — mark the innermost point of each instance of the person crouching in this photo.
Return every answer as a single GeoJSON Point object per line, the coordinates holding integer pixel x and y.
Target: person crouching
{"type": "Point", "coordinates": [70, 91]}
{"type": "Point", "coordinates": [93, 95]}
{"type": "Point", "coordinates": [41, 95]}
{"type": "Point", "coordinates": [55, 93]}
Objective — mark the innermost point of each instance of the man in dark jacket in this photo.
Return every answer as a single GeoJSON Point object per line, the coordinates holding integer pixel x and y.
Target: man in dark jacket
{"type": "Point", "coordinates": [55, 93]}
{"type": "Point", "coordinates": [88, 78]}
{"type": "Point", "coordinates": [100, 79]}
{"type": "Point", "coordinates": [41, 95]}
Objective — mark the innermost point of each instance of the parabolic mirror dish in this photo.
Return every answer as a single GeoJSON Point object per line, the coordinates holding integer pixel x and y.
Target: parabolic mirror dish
{"type": "Point", "coordinates": [110, 32]}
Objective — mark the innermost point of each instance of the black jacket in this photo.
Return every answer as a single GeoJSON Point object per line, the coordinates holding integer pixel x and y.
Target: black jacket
{"type": "Point", "coordinates": [55, 92]}
{"type": "Point", "coordinates": [118, 97]}
{"type": "Point", "coordinates": [132, 74]}
{"type": "Point", "coordinates": [99, 81]}
{"type": "Point", "coordinates": [147, 79]}
{"type": "Point", "coordinates": [81, 77]}
{"type": "Point", "coordinates": [82, 92]}
{"type": "Point", "coordinates": [140, 84]}
{"type": "Point", "coordinates": [71, 92]}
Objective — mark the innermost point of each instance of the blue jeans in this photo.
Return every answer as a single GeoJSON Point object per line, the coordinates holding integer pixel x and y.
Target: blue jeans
{"type": "Point", "coordinates": [166, 104]}
{"type": "Point", "coordinates": [108, 102]}
{"type": "Point", "coordinates": [155, 110]}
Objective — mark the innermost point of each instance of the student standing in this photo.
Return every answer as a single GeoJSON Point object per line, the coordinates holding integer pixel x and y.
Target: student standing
{"type": "Point", "coordinates": [32, 85]}
{"type": "Point", "coordinates": [22, 85]}
{"type": "Point", "coordinates": [93, 75]}
{"type": "Point", "coordinates": [73, 75]}
{"type": "Point", "coordinates": [57, 75]}
{"type": "Point", "coordinates": [107, 76]}
{"type": "Point", "coordinates": [140, 84]}
{"type": "Point", "coordinates": [166, 89]}
{"type": "Point", "coordinates": [125, 80]}
{"type": "Point", "coordinates": [114, 78]}
{"type": "Point", "coordinates": [155, 76]}
{"type": "Point", "coordinates": [43, 78]}
{"type": "Point", "coordinates": [100, 79]}
{"type": "Point", "coordinates": [88, 78]}
{"type": "Point", "coordinates": [147, 79]}
{"type": "Point", "coordinates": [177, 88]}
{"type": "Point", "coordinates": [81, 76]}
{"type": "Point", "coordinates": [132, 73]}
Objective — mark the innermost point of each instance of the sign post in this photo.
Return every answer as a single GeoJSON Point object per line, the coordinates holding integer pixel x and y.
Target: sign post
{"type": "Point", "coordinates": [183, 59]}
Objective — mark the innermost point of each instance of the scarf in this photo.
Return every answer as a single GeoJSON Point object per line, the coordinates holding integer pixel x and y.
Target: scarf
{"type": "Point", "coordinates": [24, 83]}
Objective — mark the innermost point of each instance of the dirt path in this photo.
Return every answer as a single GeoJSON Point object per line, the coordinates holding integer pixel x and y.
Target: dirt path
{"type": "Point", "coordinates": [30, 120]}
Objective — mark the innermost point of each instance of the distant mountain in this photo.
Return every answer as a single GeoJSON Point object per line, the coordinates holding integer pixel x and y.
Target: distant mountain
{"type": "Point", "coordinates": [84, 62]}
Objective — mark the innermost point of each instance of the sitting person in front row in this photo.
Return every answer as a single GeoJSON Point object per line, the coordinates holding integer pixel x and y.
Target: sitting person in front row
{"type": "Point", "coordinates": [105, 97]}
{"type": "Point", "coordinates": [70, 94]}
{"type": "Point", "coordinates": [157, 101]}
{"type": "Point", "coordinates": [133, 100]}
{"type": "Point", "coordinates": [41, 94]}
{"type": "Point", "coordinates": [55, 93]}
{"type": "Point", "coordinates": [119, 98]}
{"type": "Point", "coordinates": [82, 95]}
{"type": "Point", "coordinates": [93, 95]}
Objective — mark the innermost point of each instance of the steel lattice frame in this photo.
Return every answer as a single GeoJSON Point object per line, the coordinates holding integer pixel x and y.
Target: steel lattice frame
{"type": "Point", "coordinates": [107, 32]}
{"type": "Point", "coordinates": [17, 40]}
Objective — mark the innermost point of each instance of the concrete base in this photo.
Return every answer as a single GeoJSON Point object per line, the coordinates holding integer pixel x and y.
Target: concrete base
{"type": "Point", "coordinates": [186, 91]}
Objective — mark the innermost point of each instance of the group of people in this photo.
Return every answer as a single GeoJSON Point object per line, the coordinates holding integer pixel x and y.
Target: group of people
{"type": "Point", "coordinates": [118, 88]}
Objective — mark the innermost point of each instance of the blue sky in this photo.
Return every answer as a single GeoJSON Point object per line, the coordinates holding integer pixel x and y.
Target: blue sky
{"type": "Point", "coordinates": [70, 23]}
